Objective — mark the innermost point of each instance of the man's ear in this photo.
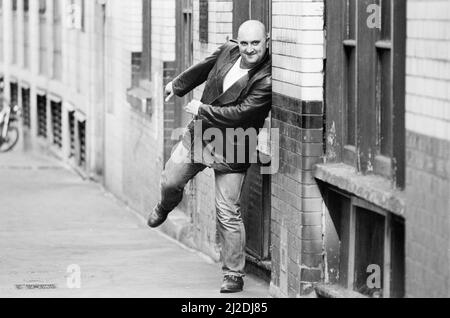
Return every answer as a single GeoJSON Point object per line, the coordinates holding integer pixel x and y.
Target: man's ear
{"type": "Point", "coordinates": [268, 40]}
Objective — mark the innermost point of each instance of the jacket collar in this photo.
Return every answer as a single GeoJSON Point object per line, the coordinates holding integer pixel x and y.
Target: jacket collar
{"type": "Point", "coordinates": [235, 91]}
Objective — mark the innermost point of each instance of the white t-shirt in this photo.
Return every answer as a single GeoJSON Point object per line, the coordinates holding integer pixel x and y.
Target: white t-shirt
{"type": "Point", "coordinates": [234, 75]}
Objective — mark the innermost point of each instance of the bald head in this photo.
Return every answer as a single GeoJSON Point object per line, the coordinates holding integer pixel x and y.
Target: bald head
{"type": "Point", "coordinates": [252, 27]}
{"type": "Point", "coordinates": [253, 43]}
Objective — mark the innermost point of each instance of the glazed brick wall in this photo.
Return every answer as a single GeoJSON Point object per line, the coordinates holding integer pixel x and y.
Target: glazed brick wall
{"type": "Point", "coordinates": [298, 52]}
{"type": "Point", "coordinates": [428, 217]}
{"type": "Point", "coordinates": [296, 200]}
{"type": "Point", "coordinates": [428, 68]}
{"type": "Point", "coordinates": [428, 149]}
{"type": "Point", "coordinates": [298, 48]}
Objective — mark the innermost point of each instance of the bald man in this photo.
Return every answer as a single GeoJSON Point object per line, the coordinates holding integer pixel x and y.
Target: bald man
{"type": "Point", "coordinates": [237, 95]}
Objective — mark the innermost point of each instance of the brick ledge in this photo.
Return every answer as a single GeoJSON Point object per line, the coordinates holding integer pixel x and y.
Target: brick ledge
{"type": "Point", "coordinates": [372, 188]}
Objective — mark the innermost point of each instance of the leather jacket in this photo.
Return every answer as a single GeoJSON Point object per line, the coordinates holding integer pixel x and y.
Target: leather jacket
{"type": "Point", "coordinates": [244, 105]}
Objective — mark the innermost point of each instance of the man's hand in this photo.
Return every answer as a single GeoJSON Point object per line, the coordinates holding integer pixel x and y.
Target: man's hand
{"type": "Point", "coordinates": [169, 92]}
{"type": "Point", "coordinates": [193, 107]}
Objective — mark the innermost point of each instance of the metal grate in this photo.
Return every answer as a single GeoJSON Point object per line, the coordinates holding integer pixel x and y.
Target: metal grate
{"type": "Point", "coordinates": [57, 124]}
{"type": "Point", "coordinates": [72, 133]}
{"type": "Point", "coordinates": [26, 109]}
{"type": "Point", "coordinates": [42, 115]}
{"type": "Point", "coordinates": [82, 142]}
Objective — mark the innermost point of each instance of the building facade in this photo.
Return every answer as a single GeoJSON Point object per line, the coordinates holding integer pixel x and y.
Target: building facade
{"type": "Point", "coordinates": [360, 201]}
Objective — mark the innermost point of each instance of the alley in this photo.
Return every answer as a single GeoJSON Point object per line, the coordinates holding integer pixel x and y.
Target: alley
{"type": "Point", "coordinates": [52, 219]}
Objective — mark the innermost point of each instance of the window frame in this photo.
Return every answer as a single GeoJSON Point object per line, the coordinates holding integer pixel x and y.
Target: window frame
{"type": "Point", "coordinates": [341, 244]}
{"type": "Point", "coordinates": [365, 153]}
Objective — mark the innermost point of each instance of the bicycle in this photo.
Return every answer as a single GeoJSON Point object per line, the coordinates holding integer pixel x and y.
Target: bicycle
{"type": "Point", "coordinates": [9, 133]}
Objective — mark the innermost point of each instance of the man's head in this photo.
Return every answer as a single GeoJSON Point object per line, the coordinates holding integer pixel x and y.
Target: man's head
{"type": "Point", "coordinates": [253, 42]}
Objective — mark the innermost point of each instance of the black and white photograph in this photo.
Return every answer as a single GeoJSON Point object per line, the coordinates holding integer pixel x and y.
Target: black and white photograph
{"type": "Point", "coordinates": [224, 153]}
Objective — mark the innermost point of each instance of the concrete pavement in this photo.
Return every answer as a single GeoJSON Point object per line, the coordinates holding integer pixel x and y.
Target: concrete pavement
{"type": "Point", "coordinates": [51, 219]}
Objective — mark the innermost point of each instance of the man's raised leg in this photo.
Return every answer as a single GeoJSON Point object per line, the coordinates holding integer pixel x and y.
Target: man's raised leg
{"type": "Point", "coordinates": [179, 170]}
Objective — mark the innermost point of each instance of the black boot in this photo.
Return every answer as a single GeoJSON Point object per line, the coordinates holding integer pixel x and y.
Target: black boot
{"type": "Point", "coordinates": [232, 284]}
{"type": "Point", "coordinates": [157, 217]}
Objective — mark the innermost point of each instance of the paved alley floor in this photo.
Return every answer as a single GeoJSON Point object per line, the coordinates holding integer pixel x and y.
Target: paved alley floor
{"type": "Point", "coordinates": [56, 228]}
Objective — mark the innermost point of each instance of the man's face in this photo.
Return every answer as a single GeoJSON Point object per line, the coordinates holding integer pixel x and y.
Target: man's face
{"type": "Point", "coordinates": [252, 45]}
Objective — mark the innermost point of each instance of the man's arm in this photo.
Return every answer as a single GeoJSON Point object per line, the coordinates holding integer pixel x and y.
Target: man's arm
{"type": "Point", "coordinates": [257, 103]}
{"type": "Point", "coordinates": [196, 74]}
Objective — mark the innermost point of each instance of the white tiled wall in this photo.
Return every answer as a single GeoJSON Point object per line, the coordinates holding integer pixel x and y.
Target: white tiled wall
{"type": "Point", "coordinates": [428, 68]}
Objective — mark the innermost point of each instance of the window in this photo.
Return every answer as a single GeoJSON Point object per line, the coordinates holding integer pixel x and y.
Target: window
{"type": "Point", "coordinates": [366, 54]}
{"type": "Point", "coordinates": [203, 21]}
{"type": "Point", "coordinates": [26, 107]}
{"type": "Point", "coordinates": [56, 115]}
{"type": "Point", "coordinates": [14, 31]}
{"type": "Point", "coordinates": [185, 54]}
{"type": "Point", "coordinates": [14, 93]}
{"type": "Point", "coordinates": [43, 66]}
{"type": "Point", "coordinates": [139, 95]}
{"type": "Point", "coordinates": [57, 40]}
{"type": "Point", "coordinates": [77, 12]}
{"type": "Point", "coordinates": [81, 160]}
{"type": "Point", "coordinates": [2, 88]}
{"type": "Point", "coordinates": [71, 119]}
{"type": "Point", "coordinates": [253, 9]}
{"type": "Point", "coordinates": [145, 69]}
{"type": "Point", "coordinates": [42, 116]}
{"type": "Point", "coordinates": [26, 32]}
{"type": "Point", "coordinates": [365, 246]}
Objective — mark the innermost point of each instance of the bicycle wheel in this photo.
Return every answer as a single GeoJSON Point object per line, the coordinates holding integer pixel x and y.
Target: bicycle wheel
{"type": "Point", "coordinates": [11, 139]}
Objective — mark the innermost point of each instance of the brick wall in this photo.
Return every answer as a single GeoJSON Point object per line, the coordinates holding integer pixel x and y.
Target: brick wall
{"type": "Point", "coordinates": [428, 150]}
{"type": "Point", "coordinates": [298, 114]}
{"type": "Point", "coordinates": [163, 30]}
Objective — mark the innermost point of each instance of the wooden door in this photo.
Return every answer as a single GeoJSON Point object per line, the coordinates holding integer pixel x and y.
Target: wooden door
{"type": "Point", "coordinates": [244, 10]}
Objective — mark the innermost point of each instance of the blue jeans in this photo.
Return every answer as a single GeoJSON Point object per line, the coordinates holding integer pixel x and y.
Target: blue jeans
{"type": "Point", "coordinates": [230, 225]}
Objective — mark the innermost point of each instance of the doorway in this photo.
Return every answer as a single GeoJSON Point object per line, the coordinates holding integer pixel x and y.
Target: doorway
{"type": "Point", "coordinates": [256, 195]}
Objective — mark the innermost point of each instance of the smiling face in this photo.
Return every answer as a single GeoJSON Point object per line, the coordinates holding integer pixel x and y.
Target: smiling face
{"type": "Point", "coordinates": [253, 43]}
